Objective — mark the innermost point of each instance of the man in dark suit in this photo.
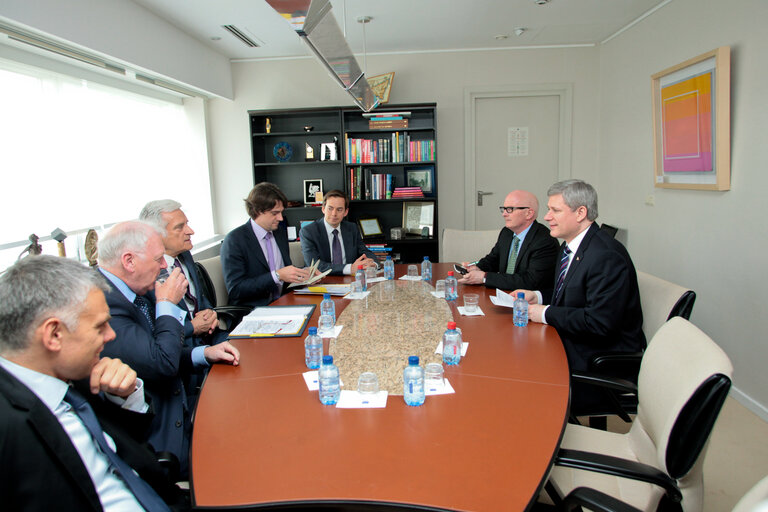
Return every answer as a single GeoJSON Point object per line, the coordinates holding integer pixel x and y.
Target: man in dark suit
{"type": "Point", "coordinates": [150, 329]}
{"type": "Point", "coordinates": [333, 241]}
{"type": "Point", "coordinates": [255, 257]}
{"type": "Point", "coordinates": [595, 302]}
{"type": "Point", "coordinates": [524, 253]}
{"type": "Point", "coordinates": [54, 322]}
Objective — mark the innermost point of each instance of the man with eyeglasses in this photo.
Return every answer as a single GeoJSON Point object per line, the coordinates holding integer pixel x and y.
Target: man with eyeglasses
{"type": "Point", "coordinates": [524, 254]}
{"type": "Point", "coordinates": [255, 257]}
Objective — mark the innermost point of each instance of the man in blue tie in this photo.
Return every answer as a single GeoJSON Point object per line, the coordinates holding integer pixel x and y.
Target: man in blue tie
{"type": "Point", "coordinates": [593, 299]}
{"type": "Point", "coordinates": [524, 252]}
{"type": "Point", "coordinates": [334, 242]}
{"type": "Point", "coordinates": [255, 257]}
{"type": "Point", "coordinates": [150, 329]}
{"type": "Point", "coordinates": [68, 449]}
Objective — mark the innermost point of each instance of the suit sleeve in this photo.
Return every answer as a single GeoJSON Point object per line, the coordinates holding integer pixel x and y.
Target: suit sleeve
{"type": "Point", "coordinates": [310, 249]}
{"type": "Point", "coordinates": [600, 300]}
{"type": "Point", "coordinates": [534, 272]}
{"type": "Point", "coordinates": [154, 356]}
{"type": "Point", "coordinates": [242, 286]}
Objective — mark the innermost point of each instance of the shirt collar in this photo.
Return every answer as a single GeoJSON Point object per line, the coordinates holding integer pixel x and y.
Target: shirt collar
{"type": "Point", "coordinates": [576, 242]}
{"type": "Point", "coordinates": [522, 234]}
{"type": "Point", "coordinates": [259, 231]}
{"type": "Point", "coordinates": [47, 388]}
{"type": "Point", "coordinates": [119, 284]}
{"type": "Point", "coordinates": [329, 229]}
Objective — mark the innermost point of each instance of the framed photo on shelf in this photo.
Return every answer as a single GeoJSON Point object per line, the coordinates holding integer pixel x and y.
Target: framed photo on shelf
{"type": "Point", "coordinates": [313, 191]}
{"type": "Point", "coordinates": [370, 227]}
{"type": "Point", "coordinates": [423, 177]}
{"type": "Point", "coordinates": [417, 216]}
{"type": "Point", "coordinates": [691, 123]}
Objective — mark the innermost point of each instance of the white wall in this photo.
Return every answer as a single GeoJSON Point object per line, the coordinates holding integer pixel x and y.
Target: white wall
{"type": "Point", "coordinates": [440, 78]}
{"type": "Point", "coordinates": [713, 242]}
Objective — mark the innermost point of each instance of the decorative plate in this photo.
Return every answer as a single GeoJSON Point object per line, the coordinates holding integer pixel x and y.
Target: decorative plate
{"type": "Point", "coordinates": [282, 151]}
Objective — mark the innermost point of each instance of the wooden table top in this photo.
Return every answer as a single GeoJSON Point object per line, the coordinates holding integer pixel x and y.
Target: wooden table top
{"type": "Point", "coordinates": [260, 438]}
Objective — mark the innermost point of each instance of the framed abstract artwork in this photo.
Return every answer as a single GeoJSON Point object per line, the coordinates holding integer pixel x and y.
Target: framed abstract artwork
{"type": "Point", "coordinates": [691, 123]}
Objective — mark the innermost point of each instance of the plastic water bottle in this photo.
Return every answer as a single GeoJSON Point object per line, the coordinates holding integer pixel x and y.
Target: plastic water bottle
{"type": "Point", "coordinates": [413, 382]}
{"type": "Point", "coordinates": [426, 269]}
{"type": "Point", "coordinates": [329, 381]}
{"type": "Point", "coordinates": [389, 268]}
{"type": "Point", "coordinates": [520, 311]}
{"type": "Point", "coordinates": [327, 307]}
{"type": "Point", "coordinates": [313, 349]}
{"type": "Point", "coordinates": [360, 277]}
{"type": "Point", "coordinates": [452, 345]}
{"type": "Point", "coordinates": [451, 287]}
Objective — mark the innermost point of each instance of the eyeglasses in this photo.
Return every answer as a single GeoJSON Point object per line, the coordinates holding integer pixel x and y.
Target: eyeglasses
{"type": "Point", "coordinates": [510, 209]}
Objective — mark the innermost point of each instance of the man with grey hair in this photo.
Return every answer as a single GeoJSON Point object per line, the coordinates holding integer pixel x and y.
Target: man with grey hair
{"type": "Point", "coordinates": [150, 329]}
{"type": "Point", "coordinates": [201, 320]}
{"type": "Point", "coordinates": [68, 448]}
{"type": "Point", "coordinates": [595, 302]}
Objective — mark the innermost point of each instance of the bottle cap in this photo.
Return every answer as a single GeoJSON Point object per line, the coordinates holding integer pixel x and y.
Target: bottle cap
{"type": "Point", "coordinates": [359, 267]}
{"type": "Point", "coordinates": [451, 325]}
{"type": "Point", "coordinates": [326, 296]}
{"type": "Point", "coordinates": [389, 257]}
{"type": "Point", "coordinates": [413, 360]}
{"type": "Point", "coordinates": [312, 331]}
{"type": "Point", "coordinates": [450, 272]}
{"type": "Point", "coordinates": [520, 295]}
{"type": "Point", "coordinates": [327, 359]}
{"type": "Point", "coordinates": [426, 258]}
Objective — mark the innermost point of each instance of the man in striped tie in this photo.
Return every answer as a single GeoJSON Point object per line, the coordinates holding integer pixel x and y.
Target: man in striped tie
{"type": "Point", "coordinates": [594, 302]}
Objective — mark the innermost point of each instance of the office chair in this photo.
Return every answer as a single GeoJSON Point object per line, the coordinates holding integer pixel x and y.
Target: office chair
{"type": "Point", "coordinates": [212, 282]}
{"type": "Point", "coordinates": [660, 300]}
{"type": "Point", "coordinates": [683, 382]}
{"type": "Point", "coordinates": [611, 230]}
{"type": "Point", "coordinates": [460, 245]}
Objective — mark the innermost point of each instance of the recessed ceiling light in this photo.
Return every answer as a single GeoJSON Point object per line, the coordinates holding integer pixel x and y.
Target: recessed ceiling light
{"type": "Point", "coordinates": [500, 37]}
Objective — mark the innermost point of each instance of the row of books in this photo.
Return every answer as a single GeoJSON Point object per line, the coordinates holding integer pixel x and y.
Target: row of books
{"type": "Point", "coordinates": [397, 148]}
{"type": "Point", "coordinates": [403, 192]}
{"type": "Point", "coordinates": [388, 120]}
{"type": "Point", "coordinates": [366, 184]}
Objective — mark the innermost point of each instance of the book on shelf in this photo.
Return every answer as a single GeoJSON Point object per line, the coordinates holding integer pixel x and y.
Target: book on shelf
{"type": "Point", "coordinates": [403, 192]}
{"type": "Point", "coordinates": [364, 183]}
{"type": "Point", "coordinates": [373, 115]}
{"type": "Point", "coordinates": [388, 124]}
{"type": "Point", "coordinates": [395, 148]}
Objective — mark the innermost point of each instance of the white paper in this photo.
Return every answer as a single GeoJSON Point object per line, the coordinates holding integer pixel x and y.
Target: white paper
{"type": "Point", "coordinates": [335, 334]}
{"type": "Point", "coordinates": [476, 312]}
{"type": "Point", "coordinates": [312, 269]}
{"type": "Point", "coordinates": [410, 278]}
{"type": "Point", "coordinates": [374, 280]}
{"type": "Point", "coordinates": [502, 298]}
{"type": "Point", "coordinates": [464, 347]}
{"type": "Point", "coordinates": [357, 296]}
{"type": "Point", "coordinates": [439, 295]}
{"type": "Point", "coordinates": [434, 388]}
{"type": "Point", "coordinates": [353, 400]}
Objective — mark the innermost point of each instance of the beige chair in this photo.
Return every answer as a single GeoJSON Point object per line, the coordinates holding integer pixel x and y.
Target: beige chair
{"type": "Point", "coordinates": [215, 288]}
{"type": "Point", "coordinates": [684, 380]}
{"type": "Point", "coordinates": [297, 257]}
{"type": "Point", "coordinates": [460, 245]}
{"type": "Point", "coordinates": [756, 500]}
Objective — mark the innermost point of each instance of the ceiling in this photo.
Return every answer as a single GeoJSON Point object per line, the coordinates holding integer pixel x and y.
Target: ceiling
{"type": "Point", "coordinates": [407, 26]}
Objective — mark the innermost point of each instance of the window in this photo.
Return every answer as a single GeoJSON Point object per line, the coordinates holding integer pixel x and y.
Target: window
{"type": "Point", "coordinates": [75, 154]}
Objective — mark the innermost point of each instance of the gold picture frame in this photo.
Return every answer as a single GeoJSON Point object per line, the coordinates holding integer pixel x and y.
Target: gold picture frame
{"type": "Point", "coordinates": [382, 85]}
{"type": "Point", "coordinates": [692, 123]}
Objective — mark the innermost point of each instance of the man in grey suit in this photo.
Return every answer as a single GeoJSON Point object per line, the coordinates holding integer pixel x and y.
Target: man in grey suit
{"type": "Point", "coordinates": [334, 242]}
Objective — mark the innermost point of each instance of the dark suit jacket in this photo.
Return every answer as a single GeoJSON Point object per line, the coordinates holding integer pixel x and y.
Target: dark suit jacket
{"type": "Point", "coordinates": [598, 309]}
{"type": "Point", "coordinates": [246, 268]}
{"type": "Point", "coordinates": [40, 468]}
{"type": "Point", "coordinates": [315, 245]}
{"type": "Point", "coordinates": [536, 258]}
{"type": "Point", "coordinates": [202, 300]}
{"type": "Point", "coordinates": [161, 360]}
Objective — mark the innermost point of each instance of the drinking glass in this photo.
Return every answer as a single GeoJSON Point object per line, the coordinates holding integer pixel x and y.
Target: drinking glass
{"type": "Point", "coordinates": [470, 302]}
{"type": "Point", "coordinates": [325, 326]}
{"type": "Point", "coordinates": [370, 272]}
{"type": "Point", "coordinates": [413, 271]}
{"type": "Point", "coordinates": [367, 383]}
{"type": "Point", "coordinates": [440, 287]}
{"type": "Point", "coordinates": [433, 376]}
{"type": "Point", "coordinates": [355, 288]}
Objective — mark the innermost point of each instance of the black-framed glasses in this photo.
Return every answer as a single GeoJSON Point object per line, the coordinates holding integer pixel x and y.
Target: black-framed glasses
{"type": "Point", "coordinates": [510, 209]}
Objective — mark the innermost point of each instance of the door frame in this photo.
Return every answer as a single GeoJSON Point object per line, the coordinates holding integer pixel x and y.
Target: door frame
{"type": "Point", "coordinates": [473, 94]}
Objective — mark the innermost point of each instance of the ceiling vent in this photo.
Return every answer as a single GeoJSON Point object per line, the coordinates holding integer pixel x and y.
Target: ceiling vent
{"type": "Point", "coordinates": [247, 41]}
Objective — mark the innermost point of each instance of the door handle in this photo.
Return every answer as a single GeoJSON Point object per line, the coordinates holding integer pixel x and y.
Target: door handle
{"type": "Point", "coordinates": [480, 195]}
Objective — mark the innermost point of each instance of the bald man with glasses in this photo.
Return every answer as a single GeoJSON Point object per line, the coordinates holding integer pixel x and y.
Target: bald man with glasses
{"type": "Point", "coordinates": [524, 251]}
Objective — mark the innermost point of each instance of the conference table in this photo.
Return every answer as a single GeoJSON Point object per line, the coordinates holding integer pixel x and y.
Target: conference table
{"type": "Point", "coordinates": [261, 439]}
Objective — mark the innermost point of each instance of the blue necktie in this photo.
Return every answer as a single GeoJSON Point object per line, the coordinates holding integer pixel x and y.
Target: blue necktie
{"type": "Point", "coordinates": [336, 252]}
{"type": "Point", "coordinates": [561, 275]}
{"type": "Point", "coordinates": [145, 495]}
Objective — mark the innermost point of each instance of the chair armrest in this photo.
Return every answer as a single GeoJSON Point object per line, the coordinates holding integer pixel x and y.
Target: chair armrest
{"type": "Point", "coordinates": [621, 385]}
{"type": "Point", "coordinates": [170, 463]}
{"type": "Point", "coordinates": [231, 315]}
{"type": "Point", "coordinates": [615, 466]}
{"type": "Point", "coordinates": [594, 500]}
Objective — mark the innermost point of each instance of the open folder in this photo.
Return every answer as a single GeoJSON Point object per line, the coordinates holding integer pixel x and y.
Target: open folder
{"type": "Point", "coordinates": [273, 321]}
{"type": "Point", "coordinates": [312, 278]}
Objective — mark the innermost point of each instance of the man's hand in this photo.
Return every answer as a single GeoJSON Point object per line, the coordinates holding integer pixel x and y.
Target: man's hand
{"type": "Point", "coordinates": [291, 274]}
{"type": "Point", "coordinates": [469, 265]}
{"type": "Point", "coordinates": [173, 289]}
{"type": "Point", "coordinates": [363, 260]}
{"type": "Point", "coordinates": [114, 377]}
{"type": "Point", "coordinates": [205, 322]}
{"type": "Point", "coordinates": [530, 296]}
{"type": "Point", "coordinates": [474, 276]}
{"type": "Point", "coordinates": [224, 352]}
{"type": "Point", "coordinates": [536, 312]}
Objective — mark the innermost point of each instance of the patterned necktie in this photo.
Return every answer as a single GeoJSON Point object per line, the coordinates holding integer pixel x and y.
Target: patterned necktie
{"type": "Point", "coordinates": [513, 255]}
{"type": "Point", "coordinates": [337, 260]}
{"type": "Point", "coordinates": [142, 303]}
{"type": "Point", "coordinates": [144, 494]}
{"type": "Point", "coordinates": [188, 294]}
{"type": "Point", "coordinates": [563, 269]}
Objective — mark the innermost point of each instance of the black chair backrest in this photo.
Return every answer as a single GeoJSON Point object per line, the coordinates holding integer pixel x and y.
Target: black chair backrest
{"type": "Point", "coordinates": [206, 284]}
{"type": "Point", "coordinates": [611, 230]}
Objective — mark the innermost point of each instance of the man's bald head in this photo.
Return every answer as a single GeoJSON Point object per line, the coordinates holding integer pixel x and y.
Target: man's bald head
{"type": "Point", "coordinates": [526, 208]}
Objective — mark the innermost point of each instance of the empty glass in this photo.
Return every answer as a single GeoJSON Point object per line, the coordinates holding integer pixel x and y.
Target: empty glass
{"type": "Point", "coordinates": [413, 271]}
{"type": "Point", "coordinates": [325, 326]}
{"type": "Point", "coordinates": [470, 302]}
{"type": "Point", "coordinates": [440, 287]}
{"type": "Point", "coordinates": [370, 272]}
{"type": "Point", "coordinates": [355, 287]}
{"type": "Point", "coordinates": [433, 376]}
{"type": "Point", "coordinates": [368, 383]}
